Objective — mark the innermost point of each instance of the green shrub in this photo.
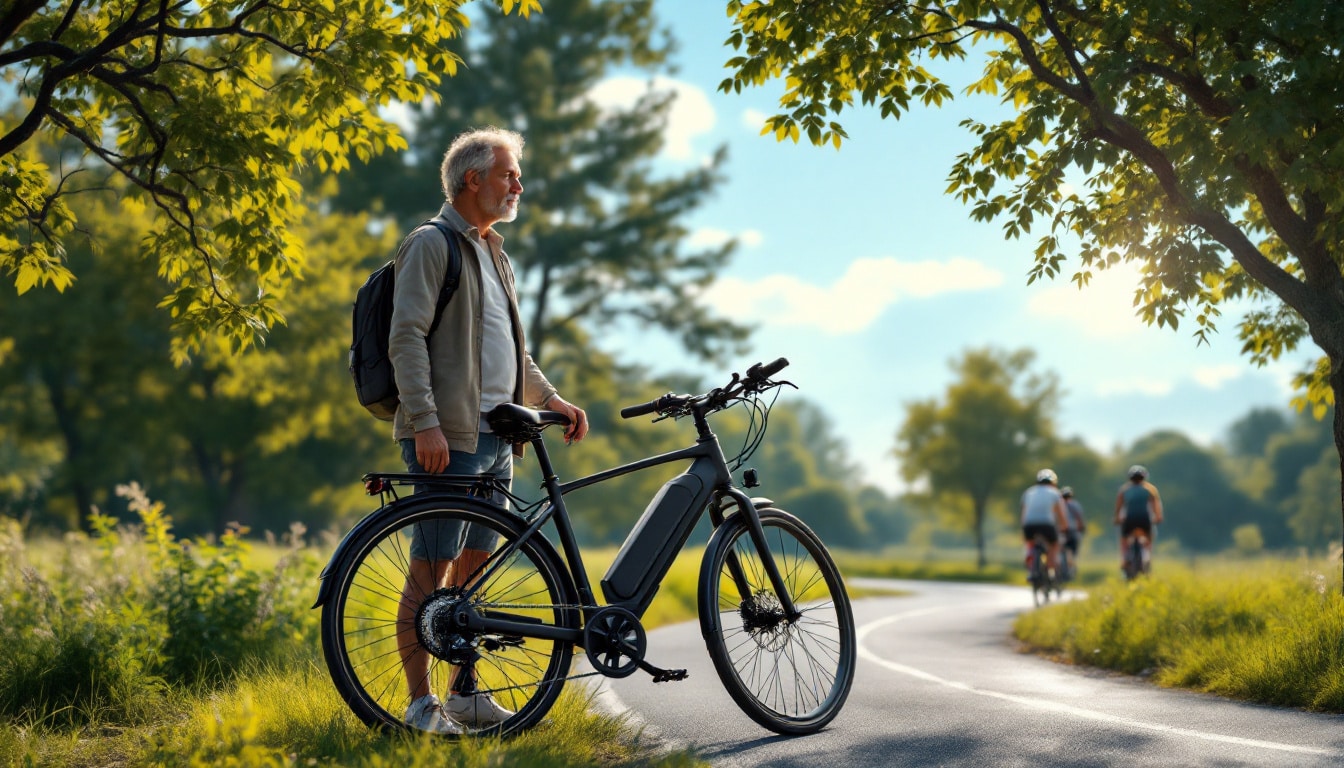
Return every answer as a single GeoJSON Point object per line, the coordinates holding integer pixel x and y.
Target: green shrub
{"type": "Point", "coordinates": [69, 648]}
{"type": "Point", "coordinates": [131, 610]}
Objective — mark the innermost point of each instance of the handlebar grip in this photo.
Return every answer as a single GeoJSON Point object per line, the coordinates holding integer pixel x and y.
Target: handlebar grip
{"type": "Point", "coordinates": [759, 371]}
{"type": "Point", "coordinates": [653, 406]}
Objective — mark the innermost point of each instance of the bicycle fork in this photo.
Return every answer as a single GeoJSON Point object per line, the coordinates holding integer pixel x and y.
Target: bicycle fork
{"type": "Point", "coordinates": [757, 532]}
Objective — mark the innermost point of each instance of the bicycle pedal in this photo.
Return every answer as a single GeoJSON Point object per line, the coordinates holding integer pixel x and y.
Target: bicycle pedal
{"type": "Point", "coordinates": [669, 675]}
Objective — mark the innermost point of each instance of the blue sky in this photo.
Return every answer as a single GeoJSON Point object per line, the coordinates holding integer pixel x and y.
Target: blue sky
{"type": "Point", "coordinates": [857, 267]}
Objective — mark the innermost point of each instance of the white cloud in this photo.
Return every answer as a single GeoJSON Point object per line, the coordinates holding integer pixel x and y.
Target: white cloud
{"type": "Point", "coordinates": [852, 302]}
{"type": "Point", "coordinates": [691, 115]}
{"type": "Point", "coordinates": [754, 120]}
{"type": "Point", "coordinates": [1103, 308]}
{"type": "Point", "coordinates": [712, 237]}
{"type": "Point", "coordinates": [1148, 386]}
{"type": "Point", "coordinates": [1215, 376]}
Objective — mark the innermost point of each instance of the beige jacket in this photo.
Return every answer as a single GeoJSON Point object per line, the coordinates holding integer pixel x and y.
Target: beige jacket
{"type": "Point", "coordinates": [440, 383]}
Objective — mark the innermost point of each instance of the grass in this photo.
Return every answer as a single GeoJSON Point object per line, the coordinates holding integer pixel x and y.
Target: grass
{"type": "Point", "coordinates": [107, 658]}
{"type": "Point", "coordinates": [132, 647]}
{"type": "Point", "coordinates": [1268, 632]}
{"type": "Point", "coordinates": [934, 565]}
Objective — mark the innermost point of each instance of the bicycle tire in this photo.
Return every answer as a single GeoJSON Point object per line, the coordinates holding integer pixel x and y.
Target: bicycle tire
{"type": "Point", "coordinates": [360, 625]}
{"type": "Point", "coordinates": [758, 654]}
{"type": "Point", "coordinates": [1134, 563]}
{"type": "Point", "coordinates": [1040, 578]}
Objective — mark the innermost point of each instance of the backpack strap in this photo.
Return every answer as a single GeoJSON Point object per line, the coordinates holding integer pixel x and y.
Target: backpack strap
{"type": "Point", "coordinates": [454, 275]}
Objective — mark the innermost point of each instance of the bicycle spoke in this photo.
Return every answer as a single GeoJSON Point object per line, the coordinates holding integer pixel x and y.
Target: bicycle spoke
{"type": "Point", "coordinates": [789, 675]}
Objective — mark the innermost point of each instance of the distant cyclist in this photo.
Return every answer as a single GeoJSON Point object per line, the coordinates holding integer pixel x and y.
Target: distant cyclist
{"type": "Point", "coordinates": [1137, 509]}
{"type": "Point", "coordinates": [1045, 514]}
{"type": "Point", "coordinates": [1074, 529]}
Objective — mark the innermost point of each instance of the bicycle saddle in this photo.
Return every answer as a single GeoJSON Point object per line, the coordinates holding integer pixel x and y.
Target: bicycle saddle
{"type": "Point", "coordinates": [516, 424]}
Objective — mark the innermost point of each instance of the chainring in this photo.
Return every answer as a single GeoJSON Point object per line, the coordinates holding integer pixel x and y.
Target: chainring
{"type": "Point", "coordinates": [615, 641]}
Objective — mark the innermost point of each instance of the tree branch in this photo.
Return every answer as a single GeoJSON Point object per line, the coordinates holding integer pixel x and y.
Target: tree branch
{"type": "Point", "coordinates": [1032, 59]}
{"type": "Point", "coordinates": [1196, 88]}
{"type": "Point", "coordinates": [1066, 45]}
{"type": "Point", "coordinates": [1114, 129]}
{"type": "Point", "coordinates": [17, 14]}
{"type": "Point", "coordinates": [69, 18]}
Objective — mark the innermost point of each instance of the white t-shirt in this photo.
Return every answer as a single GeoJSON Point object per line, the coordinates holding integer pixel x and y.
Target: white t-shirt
{"type": "Point", "coordinates": [499, 359]}
{"type": "Point", "coordinates": [1038, 504]}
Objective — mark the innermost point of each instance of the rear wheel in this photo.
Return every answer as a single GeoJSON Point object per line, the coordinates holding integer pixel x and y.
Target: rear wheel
{"type": "Point", "coordinates": [1134, 564]}
{"type": "Point", "coordinates": [381, 627]}
{"type": "Point", "coordinates": [1040, 577]}
{"type": "Point", "coordinates": [791, 675]}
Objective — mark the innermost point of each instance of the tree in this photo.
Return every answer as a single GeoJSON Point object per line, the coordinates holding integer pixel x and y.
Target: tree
{"type": "Point", "coordinates": [981, 441]}
{"type": "Point", "coordinates": [1201, 506]}
{"type": "Point", "coordinates": [1310, 509]}
{"type": "Point", "coordinates": [600, 238]}
{"type": "Point", "coordinates": [889, 518]}
{"type": "Point", "coordinates": [82, 367]}
{"type": "Point", "coordinates": [209, 111]}
{"type": "Point", "coordinates": [265, 438]}
{"type": "Point", "coordinates": [1208, 136]}
{"type": "Point", "coordinates": [1249, 435]}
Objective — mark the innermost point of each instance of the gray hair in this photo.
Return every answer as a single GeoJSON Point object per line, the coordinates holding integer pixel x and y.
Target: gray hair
{"type": "Point", "coordinates": [475, 151]}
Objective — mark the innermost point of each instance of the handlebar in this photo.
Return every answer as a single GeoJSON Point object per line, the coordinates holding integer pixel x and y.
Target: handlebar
{"type": "Point", "coordinates": [757, 375]}
{"type": "Point", "coordinates": [653, 406]}
{"type": "Point", "coordinates": [758, 372]}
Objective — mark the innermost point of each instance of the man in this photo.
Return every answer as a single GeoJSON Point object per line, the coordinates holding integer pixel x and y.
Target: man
{"type": "Point", "coordinates": [475, 360]}
{"type": "Point", "coordinates": [1043, 514]}
{"type": "Point", "coordinates": [1076, 526]}
{"type": "Point", "coordinates": [1137, 509]}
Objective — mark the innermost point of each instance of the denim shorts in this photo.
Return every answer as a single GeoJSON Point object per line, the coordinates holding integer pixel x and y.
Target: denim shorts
{"type": "Point", "coordinates": [438, 541]}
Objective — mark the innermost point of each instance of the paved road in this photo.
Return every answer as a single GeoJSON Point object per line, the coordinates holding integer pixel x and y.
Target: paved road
{"type": "Point", "coordinates": [939, 683]}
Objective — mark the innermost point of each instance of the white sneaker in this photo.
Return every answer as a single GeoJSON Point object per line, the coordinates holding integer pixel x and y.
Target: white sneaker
{"type": "Point", "coordinates": [478, 711]}
{"type": "Point", "coordinates": [426, 714]}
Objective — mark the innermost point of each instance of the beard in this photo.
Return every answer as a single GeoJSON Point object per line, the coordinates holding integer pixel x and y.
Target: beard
{"type": "Point", "coordinates": [507, 210]}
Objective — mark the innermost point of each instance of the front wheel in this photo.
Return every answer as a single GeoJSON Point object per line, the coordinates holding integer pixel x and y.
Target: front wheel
{"type": "Point", "coordinates": [789, 675]}
{"type": "Point", "coordinates": [388, 624]}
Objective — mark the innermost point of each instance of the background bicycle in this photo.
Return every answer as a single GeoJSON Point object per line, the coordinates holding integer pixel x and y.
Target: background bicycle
{"type": "Point", "coordinates": [773, 609]}
{"type": "Point", "coordinates": [1040, 574]}
{"type": "Point", "coordinates": [1138, 560]}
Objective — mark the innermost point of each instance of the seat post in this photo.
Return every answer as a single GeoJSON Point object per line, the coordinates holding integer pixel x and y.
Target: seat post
{"type": "Point", "coordinates": [543, 460]}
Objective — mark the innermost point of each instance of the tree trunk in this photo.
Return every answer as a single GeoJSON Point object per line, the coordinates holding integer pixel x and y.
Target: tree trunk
{"type": "Point", "coordinates": [979, 505]}
{"type": "Point", "coordinates": [212, 478]}
{"type": "Point", "coordinates": [536, 333]}
{"type": "Point", "coordinates": [1337, 387]}
{"type": "Point", "coordinates": [68, 423]}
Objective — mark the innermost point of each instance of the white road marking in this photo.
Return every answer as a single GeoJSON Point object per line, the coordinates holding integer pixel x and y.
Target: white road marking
{"type": "Point", "coordinates": [1056, 707]}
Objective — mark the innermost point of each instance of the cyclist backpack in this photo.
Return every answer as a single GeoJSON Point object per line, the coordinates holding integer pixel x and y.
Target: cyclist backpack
{"type": "Point", "coordinates": [370, 365]}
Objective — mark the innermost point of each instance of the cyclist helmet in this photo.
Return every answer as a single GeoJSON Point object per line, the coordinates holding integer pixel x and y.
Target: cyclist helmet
{"type": "Point", "coordinates": [1047, 476]}
{"type": "Point", "coordinates": [1138, 472]}
{"type": "Point", "coordinates": [1066, 492]}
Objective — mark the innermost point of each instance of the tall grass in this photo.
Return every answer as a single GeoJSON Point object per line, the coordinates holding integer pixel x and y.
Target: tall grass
{"type": "Point", "coordinates": [1269, 632]}
{"type": "Point", "coordinates": [102, 633]}
{"type": "Point", "coordinates": [132, 647]}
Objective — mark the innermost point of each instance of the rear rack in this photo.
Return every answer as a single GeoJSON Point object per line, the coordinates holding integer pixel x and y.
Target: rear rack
{"type": "Point", "coordinates": [480, 486]}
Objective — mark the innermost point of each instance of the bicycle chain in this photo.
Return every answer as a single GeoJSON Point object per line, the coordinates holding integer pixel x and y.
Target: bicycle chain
{"type": "Point", "coordinates": [549, 681]}
{"type": "Point", "coordinates": [538, 605]}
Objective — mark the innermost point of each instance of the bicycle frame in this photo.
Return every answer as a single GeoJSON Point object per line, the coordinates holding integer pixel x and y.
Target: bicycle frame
{"type": "Point", "coordinates": [707, 463]}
